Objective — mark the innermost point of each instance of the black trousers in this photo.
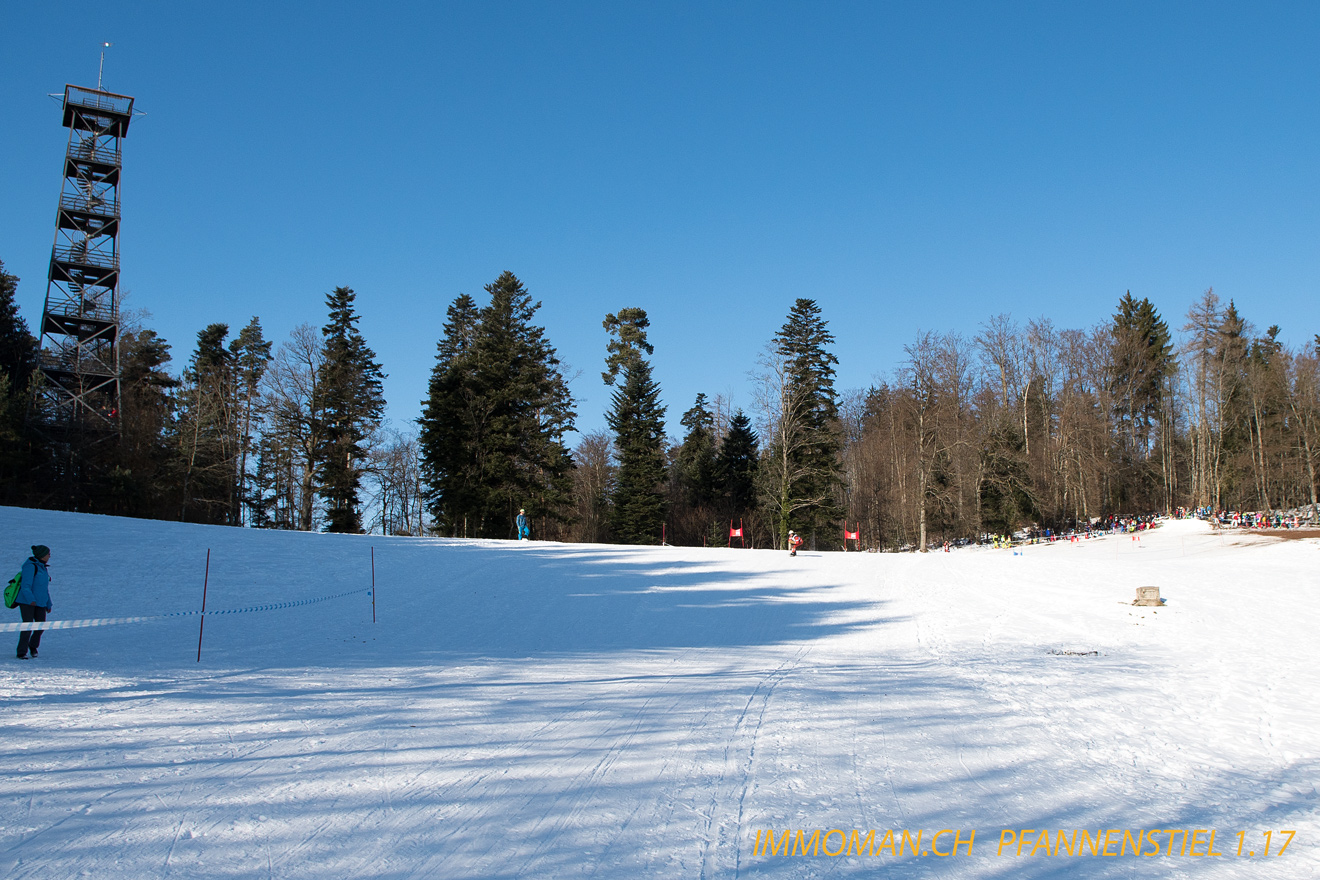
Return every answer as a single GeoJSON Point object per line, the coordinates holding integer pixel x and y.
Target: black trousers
{"type": "Point", "coordinates": [30, 640]}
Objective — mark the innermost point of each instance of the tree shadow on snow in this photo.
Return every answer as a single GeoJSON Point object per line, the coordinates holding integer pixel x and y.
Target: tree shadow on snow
{"type": "Point", "coordinates": [525, 602]}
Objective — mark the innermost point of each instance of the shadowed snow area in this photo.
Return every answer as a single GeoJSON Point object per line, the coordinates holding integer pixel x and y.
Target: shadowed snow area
{"type": "Point", "coordinates": [534, 710]}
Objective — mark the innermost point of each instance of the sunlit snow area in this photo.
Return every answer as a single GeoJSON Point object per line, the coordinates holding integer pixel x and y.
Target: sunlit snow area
{"type": "Point", "coordinates": [541, 710]}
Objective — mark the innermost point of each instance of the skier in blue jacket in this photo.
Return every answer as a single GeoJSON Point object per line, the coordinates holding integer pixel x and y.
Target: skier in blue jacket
{"type": "Point", "coordinates": [33, 599]}
{"type": "Point", "coordinates": [522, 525]}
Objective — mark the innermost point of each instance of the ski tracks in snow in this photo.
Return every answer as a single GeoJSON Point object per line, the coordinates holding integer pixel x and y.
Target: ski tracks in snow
{"type": "Point", "coordinates": [737, 773]}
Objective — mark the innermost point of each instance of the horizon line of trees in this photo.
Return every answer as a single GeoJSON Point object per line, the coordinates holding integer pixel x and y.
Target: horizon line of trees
{"type": "Point", "coordinates": [971, 435]}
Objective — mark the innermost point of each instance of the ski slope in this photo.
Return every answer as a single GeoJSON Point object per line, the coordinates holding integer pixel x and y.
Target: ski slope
{"type": "Point", "coordinates": [540, 710]}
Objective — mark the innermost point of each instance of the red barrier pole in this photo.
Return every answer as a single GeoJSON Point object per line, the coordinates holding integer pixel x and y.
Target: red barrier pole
{"type": "Point", "coordinates": [373, 584]}
{"type": "Point", "coordinates": [206, 576]}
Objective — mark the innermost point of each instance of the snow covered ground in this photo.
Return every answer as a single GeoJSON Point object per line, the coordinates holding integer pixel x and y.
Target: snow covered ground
{"type": "Point", "coordinates": [542, 710]}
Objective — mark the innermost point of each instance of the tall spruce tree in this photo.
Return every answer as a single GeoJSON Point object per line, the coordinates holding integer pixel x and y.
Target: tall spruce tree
{"type": "Point", "coordinates": [736, 467]}
{"type": "Point", "coordinates": [493, 423]}
{"type": "Point", "coordinates": [204, 432]}
{"type": "Point", "coordinates": [810, 434]}
{"type": "Point", "coordinates": [18, 347]}
{"type": "Point", "coordinates": [251, 355]}
{"type": "Point", "coordinates": [637, 509]}
{"type": "Point", "coordinates": [353, 404]}
{"type": "Point", "coordinates": [695, 462]}
{"type": "Point", "coordinates": [145, 458]}
{"type": "Point", "coordinates": [18, 362]}
{"type": "Point", "coordinates": [1230, 354]}
{"type": "Point", "coordinates": [1142, 361]}
{"type": "Point", "coordinates": [449, 425]}
{"type": "Point", "coordinates": [692, 517]}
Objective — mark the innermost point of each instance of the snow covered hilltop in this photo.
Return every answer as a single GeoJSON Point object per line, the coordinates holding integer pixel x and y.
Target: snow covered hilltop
{"type": "Point", "coordinates": [557, 710]}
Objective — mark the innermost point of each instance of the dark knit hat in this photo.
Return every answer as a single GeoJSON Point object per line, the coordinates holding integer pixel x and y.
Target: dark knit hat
{"type": "Point", "coordinates": [40, 551]}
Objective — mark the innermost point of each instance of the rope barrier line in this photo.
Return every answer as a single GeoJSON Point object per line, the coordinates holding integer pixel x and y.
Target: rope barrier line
{"type": "Point", "coordinates": [112, 621]}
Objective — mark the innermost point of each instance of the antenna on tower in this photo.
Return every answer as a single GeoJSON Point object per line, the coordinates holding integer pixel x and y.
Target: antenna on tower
{"type": "Point", "coordinates": [101, 69]}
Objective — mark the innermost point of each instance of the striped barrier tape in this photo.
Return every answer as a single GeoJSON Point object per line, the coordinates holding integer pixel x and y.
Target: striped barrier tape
{"type": "Point", "coordinates": [111, 621]}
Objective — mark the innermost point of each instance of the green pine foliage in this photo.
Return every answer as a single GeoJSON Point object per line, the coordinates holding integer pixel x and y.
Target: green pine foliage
{"type": "Point", "coordinates": [1142, 359]}
{"type": "Point", "coordinates": [1006, 500]}
{"type": "Point", "coordinates": [1142, 362]}
{"type": "Point", "coordinates": [736, 467]}
{"type": "Point", "coordinates": [353, 403]}
{"type": "Point", "coordinates": [450, 424]}
{"type": "Point", "coordinates": [637, 507]}
{"type": "Point", "coordinates": [203, 432]}
{"type": "Point", "coordinates": [145, 460]}
{"type": "Point", "coordinates": [695, 463]}
{"type": "Point", "coordinates": [692, 513]}
{"type": "Point", "coordinates": [18, 362]}
{"type": "Point", "coordinates": [638, 504]}
{"type": "Point", "coordinates": [251, 355]}
{"type": "Point", "coordinates": [811, 476]}
{"type": "Point", "coordinates": [18, 347]}
{"type": "Point", "coordinates": [493, 422]}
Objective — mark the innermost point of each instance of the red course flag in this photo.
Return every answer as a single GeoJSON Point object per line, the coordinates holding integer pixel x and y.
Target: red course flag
{"type": "Point", "coordinates": [735, 533]}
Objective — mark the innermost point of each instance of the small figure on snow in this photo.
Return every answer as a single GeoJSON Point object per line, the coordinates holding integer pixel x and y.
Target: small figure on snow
{"type": "Point", "coordinates": [33, 599]}
{"type": "Point", "coordinates": [794, 542]}
{"type": "Point", "coordinates": [523, 533]}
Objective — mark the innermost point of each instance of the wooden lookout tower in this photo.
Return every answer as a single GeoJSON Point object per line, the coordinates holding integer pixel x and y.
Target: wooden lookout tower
{"type": "Point", "coordinates": [77, 402]}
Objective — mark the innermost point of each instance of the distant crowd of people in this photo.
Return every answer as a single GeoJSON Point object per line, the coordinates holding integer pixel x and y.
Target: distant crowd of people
{"type": "Point", "coordinates": [1250, 519]}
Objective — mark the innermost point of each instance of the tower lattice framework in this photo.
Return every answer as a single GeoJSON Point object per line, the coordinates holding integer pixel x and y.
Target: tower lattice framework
{"type": "Point", "coordinates": [78, 400]}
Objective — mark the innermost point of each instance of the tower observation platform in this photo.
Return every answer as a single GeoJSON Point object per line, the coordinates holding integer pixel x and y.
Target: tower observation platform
{"type": "Point", "coordinates": [77, 403]}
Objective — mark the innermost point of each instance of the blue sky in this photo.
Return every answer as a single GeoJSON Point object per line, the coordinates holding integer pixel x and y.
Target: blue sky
{"type": "Point", "coordinates": [911, 167]}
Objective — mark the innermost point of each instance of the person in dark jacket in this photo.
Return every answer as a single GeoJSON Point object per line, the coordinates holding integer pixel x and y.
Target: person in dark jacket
{"type": "Point", "coordinates": [34, 599]}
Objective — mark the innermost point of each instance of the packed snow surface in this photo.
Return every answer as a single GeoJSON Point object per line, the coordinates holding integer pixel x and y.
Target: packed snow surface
{"type": "Point", "coordinates": [539, 710]}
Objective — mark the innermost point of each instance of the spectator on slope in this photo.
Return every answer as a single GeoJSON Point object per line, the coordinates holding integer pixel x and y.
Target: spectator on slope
{"type": "Point", "coordinates": [34, 599]}
{"type": "Point", "coordinates": [523, 533]}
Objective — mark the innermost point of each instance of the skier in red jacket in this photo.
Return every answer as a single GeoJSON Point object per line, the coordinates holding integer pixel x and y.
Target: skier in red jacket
{"type": "Point", "coordinates": [794, 542]}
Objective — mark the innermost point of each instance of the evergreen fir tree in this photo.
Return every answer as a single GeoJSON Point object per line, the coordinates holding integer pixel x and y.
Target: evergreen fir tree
{"type": "Point", "coordinates": [636, 416]}
{"type": "Point", "coordinates": [353, 405]}
{"type": "Point", "coordinates": [251, 355]}
{"type": "Point", "coordinates": [813, 475]}
{"type": "Point", "coordinates": [1005, 494]}
{"type": "Point", "coordinates": [736, 466]}
{"type": "Point", "coordinates": [204, 433]}
{"type": "Point", "coordinates": [263, 490]}
{"type": "Point", "coordinates": [1230, 354]}
{"type": "Point", "coordinates": [1141, 362]}
{"type": "Point", "coordinates": [695, 463]}
{"type": "Point", "coordinates": [449, 430]}
{"type": "Point", "coordinates": [18, 347]}
{"type": "Point", "coordinates": [18, 363]}
{"type": "Point", "coordinates": [528, 409]}
{"type": "Point", "coordinates": [145, 459]}
{"type": "Point", "coordinates": [1143, 358]}
{"type": "Point", "coordinates": [493, 424]}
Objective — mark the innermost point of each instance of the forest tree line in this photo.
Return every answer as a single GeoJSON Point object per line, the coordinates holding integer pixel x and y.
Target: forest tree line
{"type": "Point", "coordinates": [984, 433]}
